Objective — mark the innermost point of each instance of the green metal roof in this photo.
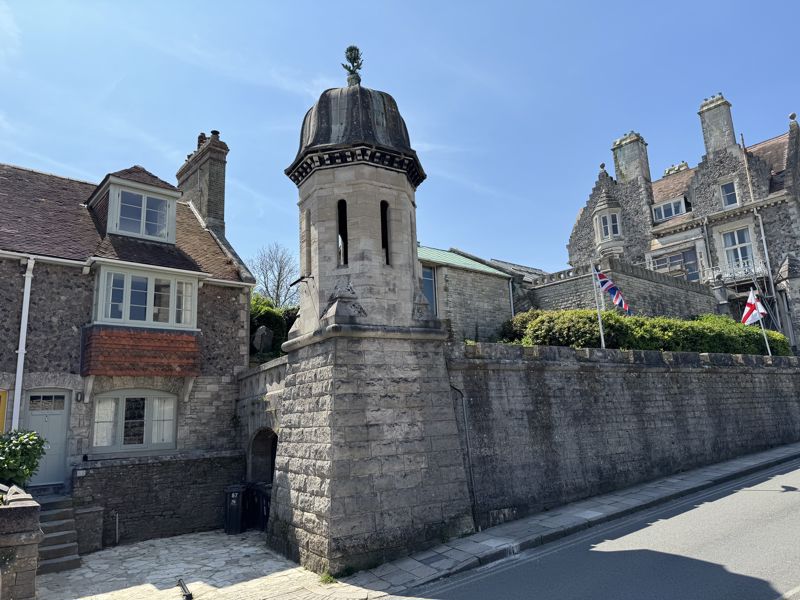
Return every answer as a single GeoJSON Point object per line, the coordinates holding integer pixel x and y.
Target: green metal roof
{"type": "Point", "coordinates": [445, 257]}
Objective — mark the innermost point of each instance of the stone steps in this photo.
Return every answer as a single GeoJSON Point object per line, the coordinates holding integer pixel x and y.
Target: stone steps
{"type": "Point", "coordinates": [58, 551]}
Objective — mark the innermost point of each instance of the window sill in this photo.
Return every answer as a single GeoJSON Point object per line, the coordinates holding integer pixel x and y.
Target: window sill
{"type": "Point", "coordinates": [151, 326]}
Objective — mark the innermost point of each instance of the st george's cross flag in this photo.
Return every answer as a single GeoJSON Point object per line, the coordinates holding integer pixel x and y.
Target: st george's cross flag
{"type": "Point", "coordinates": [753, 311]}
{"type": "Point", "coordinates": [608, 286]}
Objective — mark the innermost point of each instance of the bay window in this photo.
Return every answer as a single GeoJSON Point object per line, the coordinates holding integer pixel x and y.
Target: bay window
{"type": "Point", "coordinates": [145, 299]}
{"type": "Point", "coordinates": [607, 226]}
{"type": "Point", "coordinates": [130, 420]}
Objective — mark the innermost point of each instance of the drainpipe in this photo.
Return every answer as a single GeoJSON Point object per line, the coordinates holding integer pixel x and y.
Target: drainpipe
{"type": "Point", "coordinates": [511, 296]}
{"type": "Point", "coordinates": [23, 338]}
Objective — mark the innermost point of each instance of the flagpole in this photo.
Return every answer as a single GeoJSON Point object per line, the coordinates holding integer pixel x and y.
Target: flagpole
{"type": "Point", "coordinates": [764, 332]}
{"type": "Point", "coordinates": [597, 304]}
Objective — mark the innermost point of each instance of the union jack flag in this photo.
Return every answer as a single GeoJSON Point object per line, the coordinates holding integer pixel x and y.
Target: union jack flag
{"type": "Point", "coordinates": [608, 286]}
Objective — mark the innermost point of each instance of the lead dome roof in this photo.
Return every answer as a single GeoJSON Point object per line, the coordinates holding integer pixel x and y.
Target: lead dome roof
{"type": "Point", "coordinates": [355, 117]}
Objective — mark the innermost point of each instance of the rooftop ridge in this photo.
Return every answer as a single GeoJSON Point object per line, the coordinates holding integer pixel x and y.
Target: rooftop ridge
{"type": "Point", "coordinates": [772, 139]}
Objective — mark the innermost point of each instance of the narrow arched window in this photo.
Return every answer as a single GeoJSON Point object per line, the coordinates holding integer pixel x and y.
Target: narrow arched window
{"type": "Point", "coordinates": [385, 230]}
{"type": "Point", "coordinates": [341, 209]}
{"type": "Point", "coordinates": [307, 243]}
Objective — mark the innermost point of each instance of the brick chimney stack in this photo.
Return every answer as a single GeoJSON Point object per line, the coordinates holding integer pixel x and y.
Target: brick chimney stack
{"type": "Point", "coordinates": [717, 124]}
{"type": "Point", "coordinates": [630, 158]}
{"type": "Point", "coordinates": [202, 180]}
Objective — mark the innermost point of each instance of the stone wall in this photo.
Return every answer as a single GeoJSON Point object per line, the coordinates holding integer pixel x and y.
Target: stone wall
{"type": "Point", "coordinates": [61, 303]}
{"type": "Point", "coordinates": [150, 497]}
{"type": "Point", "coordinates": [545, 426]}
{"type": "Point", "coordinates": [223, 318]}
{"type": "Point", "coordinates": [476, 304]}
{"type": "Point", "coordinates": [368, 465]}
{"type": "Point", "coordinates": [259, 399]}
{"type": "Point", "coordinates": [647, 292]}
{"type": "Point", "coordinates": [20, 535]}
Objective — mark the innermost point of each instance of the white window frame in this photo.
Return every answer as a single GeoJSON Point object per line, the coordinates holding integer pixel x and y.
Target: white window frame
{"type": "Point", "coordinates": [175, 279]}
{"type": "Point", "coordinates": [606, 221]}
{"type": "Point", "coordinates": [115, 206]}
{"type": "Point", "coordinates": [750, 243]}
{"type": "Point", "coordinates": [435, 306]}
{"type": "Point", "coordinates": [723, 195]}
{"type": "Point", "coordinates": [148, 445]}
{"type": "Point", "coordinates": [677, 206]}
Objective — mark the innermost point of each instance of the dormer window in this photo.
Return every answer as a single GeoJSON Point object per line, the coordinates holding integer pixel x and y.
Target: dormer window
{"type": "Point", "coordinates": [142, 212]}
{"type": "Point", "coordinates": [667, 210]}
{"type": "Point", "coordinates": [143, 215]}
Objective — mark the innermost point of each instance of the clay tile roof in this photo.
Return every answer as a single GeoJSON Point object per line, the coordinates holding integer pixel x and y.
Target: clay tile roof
{"type": "Point", "coordinates": [772, 151]}
{"type": "Point", "coordinates": [672, 186]}
{"type": "Point", "coordinates": [43, 214]}
{"type": "Point", "coordinates": [142, 175]}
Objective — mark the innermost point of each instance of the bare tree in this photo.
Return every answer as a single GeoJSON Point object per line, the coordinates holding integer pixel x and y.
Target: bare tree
{"type": "Point", "coordinates": [274, 268]}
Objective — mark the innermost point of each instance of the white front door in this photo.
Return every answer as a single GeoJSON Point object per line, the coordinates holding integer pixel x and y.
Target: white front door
{"type": "Point", "coordinates": [48, 416]}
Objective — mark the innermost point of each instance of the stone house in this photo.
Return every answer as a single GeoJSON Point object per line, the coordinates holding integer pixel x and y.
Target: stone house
{"type": "Point", "coordinates": [124, 320]}
{"type": "Point", "coordinates": [474, 297]}
{"type": "Point", "coordinates": [728, 223]}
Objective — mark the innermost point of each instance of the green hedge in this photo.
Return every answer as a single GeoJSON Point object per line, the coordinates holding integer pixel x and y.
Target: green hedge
{"type": "Point", "coordinates": [578, 329]}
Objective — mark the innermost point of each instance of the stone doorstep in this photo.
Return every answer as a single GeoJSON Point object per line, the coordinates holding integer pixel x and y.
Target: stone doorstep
{"type": "Point", "coordinates": [499, 542]}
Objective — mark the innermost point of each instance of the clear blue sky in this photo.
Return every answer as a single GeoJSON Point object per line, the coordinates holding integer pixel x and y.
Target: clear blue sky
{"type": "Point", "coordinates": [511, 105]}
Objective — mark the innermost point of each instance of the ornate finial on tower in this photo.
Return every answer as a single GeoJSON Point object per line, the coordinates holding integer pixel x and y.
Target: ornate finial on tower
{"type": "Point", "coordinates": [793, 116]}
{"type": "Point", "coordinates": [602, 166]}
{"type": "Point", "coordinates": [353, 56]}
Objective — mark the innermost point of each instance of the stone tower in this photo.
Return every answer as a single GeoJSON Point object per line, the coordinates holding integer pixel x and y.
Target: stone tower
{"type": "Point", "coordinates": [369, 464]}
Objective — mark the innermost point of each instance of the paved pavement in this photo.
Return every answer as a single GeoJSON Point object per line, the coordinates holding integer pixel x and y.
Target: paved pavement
{"type": "Point", "coordinates": [214, 565]}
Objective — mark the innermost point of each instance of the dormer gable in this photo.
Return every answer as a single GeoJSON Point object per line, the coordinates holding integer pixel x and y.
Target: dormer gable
{"type": "Point", "coordinates": [135, 203]}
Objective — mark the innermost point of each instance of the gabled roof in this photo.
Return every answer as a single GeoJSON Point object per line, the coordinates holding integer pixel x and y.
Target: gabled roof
{"type": "Point", "coordinates": [672, 186]}
{"type": "Point", "coordinates": [772, 151]}
{"type": "Point", "coordinates": [446, 257]}
{"type": "Point", "coordinates": [141, 175]}
{"type": "Point", "coordinates": [46, 215]}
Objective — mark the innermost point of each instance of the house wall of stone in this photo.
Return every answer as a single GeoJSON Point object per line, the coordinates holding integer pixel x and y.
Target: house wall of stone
{"type": "Point", "coordinates": [224, 321]}
{"type": "Point", "coordinates": [548, 426]}
{"type": "Point", "coordinates": [368, 466]}
{"type": "Point", "coordinates": [476, 304]}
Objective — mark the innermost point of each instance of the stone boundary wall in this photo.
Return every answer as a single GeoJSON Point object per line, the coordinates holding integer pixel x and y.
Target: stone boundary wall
{"type": "Point", "coordinates": [258, 405]}
{"type": "Point", "coordinates": [158, 496]}
{"type": "Point", "coordinates": [544, 426]}
{"type": "Point", "coordinates": [647, 292]}
{"type": "Point", "coordinates": [20, 535]}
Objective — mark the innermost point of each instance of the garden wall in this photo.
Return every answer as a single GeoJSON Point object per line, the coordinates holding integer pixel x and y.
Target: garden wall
{"type": "Point", "coordinates": [544, 426]}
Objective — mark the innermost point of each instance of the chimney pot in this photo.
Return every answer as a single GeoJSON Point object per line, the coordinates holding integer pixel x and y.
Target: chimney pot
{"type": "Point", "coordinates": [215, 133]}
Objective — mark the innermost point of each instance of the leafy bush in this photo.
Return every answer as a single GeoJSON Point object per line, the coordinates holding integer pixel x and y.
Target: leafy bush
{"type": "Point", "coordinates": [20, 452]}
{"type": "Point", "coordinates": [578, 329]}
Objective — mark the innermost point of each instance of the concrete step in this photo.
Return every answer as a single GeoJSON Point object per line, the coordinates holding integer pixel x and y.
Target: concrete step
{"type": "Point", "coordinates": [45, 490]}
{"type": "Point", "coordinates": [57, 551]}
{"type": "Point", "coordinates": [63, 563]}
{"type": "Point", "coordinates": [53, 502]}
{"type": "Point", "coordinates": [59, 537]}
{"type": "Point", "coordinates": [54, 526]}
{"type": "Point", "coordinates": [57, 514]}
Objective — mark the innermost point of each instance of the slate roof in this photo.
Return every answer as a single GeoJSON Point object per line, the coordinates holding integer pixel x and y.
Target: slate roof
{"type": "Point", "coordinates": [773, 151]}
{"type": "Point", "coordinates": [445, 257]}
{"type": "Point", "coordinates": [45, 214]}
{"type": "Point", "coordinates": [142, 175]}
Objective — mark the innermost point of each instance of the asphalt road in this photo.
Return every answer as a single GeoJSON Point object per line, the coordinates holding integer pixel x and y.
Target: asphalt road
{"type": "Point", "coordinates": [739, 540]}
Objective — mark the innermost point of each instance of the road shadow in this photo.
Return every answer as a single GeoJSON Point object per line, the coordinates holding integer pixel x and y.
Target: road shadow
{"type": "Point", "coordinates": [618, 575]}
